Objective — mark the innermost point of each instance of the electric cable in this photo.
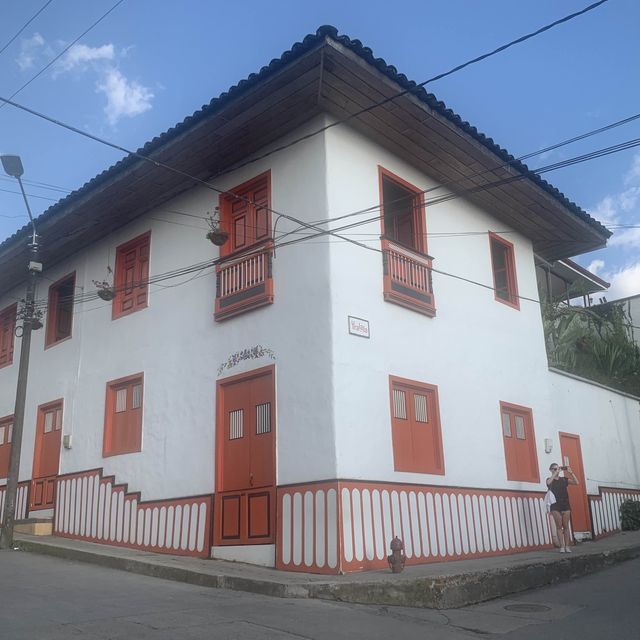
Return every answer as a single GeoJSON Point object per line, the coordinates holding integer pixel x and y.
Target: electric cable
{"type": "Point", "coordinates": [420, 85]}
{"type": "Point", "coordinates": [56, 58]}
{"type": "Point", "coordinates": [26, 24]}
{"type": "Point", "coordinates": [475, 189]}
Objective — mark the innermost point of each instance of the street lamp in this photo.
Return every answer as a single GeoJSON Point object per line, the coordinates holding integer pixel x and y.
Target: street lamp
{"type": "Point", "coordinates": [13, 167]}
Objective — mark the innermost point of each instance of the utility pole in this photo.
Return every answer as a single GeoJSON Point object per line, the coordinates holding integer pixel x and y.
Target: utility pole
{"type": "Point", "coordinates": [13, 166]}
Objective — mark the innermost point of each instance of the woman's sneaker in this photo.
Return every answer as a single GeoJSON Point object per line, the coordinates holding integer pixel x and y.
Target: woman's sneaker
{"type": "Point", "coordinates": [563, 550]}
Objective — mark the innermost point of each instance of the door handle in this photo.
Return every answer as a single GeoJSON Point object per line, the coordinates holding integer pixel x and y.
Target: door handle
{"type": "Point", "coordinates": [251, 479]}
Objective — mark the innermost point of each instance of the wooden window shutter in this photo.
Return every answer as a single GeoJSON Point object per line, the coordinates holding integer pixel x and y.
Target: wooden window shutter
{"type": "Point", "coordinates": [7, 331]}
{"type": "Point", "coordinates": [123, 419]}
{"type": "Point", "coordinates": [416, 433]}
{"type": "Point", "coordinates": [132, 275]}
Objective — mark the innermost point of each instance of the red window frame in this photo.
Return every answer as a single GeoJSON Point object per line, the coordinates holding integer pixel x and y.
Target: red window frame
{"type": "Point", "coordinates": [60, 311]}
{"type": "Point", "coordinates": [508, 271]}
{"type": "Point", "coordinates": [419, 225]}
{"type": "Point", "coordinates": [131, 276]}
{"type": "Point", "coordinates": [416, 437]}
{"type": "Point", "coordinates": [123, 425]}
{"type": "Point", "coordinates": [6, 431]}
{"type": "Point", "coordinates": [7, 334]}
{"type": "Point", "coordinates": [245, 214]}
{"type": "Point", "coordinates": [520, 452]}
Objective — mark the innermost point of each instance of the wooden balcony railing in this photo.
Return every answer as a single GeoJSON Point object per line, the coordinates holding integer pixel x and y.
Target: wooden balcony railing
{"type": "Point", "coordinates": [244, 282]}
{"type": "Point", "coordinates": [407, 277]}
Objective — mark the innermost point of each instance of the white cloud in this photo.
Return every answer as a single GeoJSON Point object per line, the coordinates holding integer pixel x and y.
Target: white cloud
{"type": "Point", "coordinates": [624, 283]}
{"type": "Point", "coordinates": [629, 238]}
{"type": "Point", "coordinates": [30, 50]}
{"type": "Point", "coordinates": [595, 266]}
{"type": "Point", "coordinates": [623, 208]}
{"type": "Point", "coordinates": [124, 97]}
{"type": "Point", "coordinates": [633, 175]}
{"type": "Point", "coordinates": [80, 56]}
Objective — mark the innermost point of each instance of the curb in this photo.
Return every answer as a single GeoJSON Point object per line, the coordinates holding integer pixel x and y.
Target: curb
{"type": "Point", "coordinates": [445, 592]}
{"type": "Point", "coordinates": [454, 591]}
{"type": "Point", "coordinates": [177, 574]}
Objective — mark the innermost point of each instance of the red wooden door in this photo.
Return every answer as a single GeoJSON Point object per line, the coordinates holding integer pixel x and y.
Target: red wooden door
{"type": "Point", "coordinates": [572, 456]}
{"type": "Point", "coordinates": [46, 455]}
{"type": "Point", "coordinates": [245, 459]}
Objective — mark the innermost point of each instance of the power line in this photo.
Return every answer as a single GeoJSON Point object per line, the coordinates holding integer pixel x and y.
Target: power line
{"type": "Point", "coordinates": [26, 24]}
{"type": "Point", "coordinates": [453, 183]}
{"type": "Point", "coordinates": [157, 163]}
{"type": "Point", "coordinates": [314, 226]}
{"type": "Point", "coordinates": [414, 88]}
{"type": "Point", "coordinates": [56, 58]}
{"type": "Point", "coordinates": [476, 189]}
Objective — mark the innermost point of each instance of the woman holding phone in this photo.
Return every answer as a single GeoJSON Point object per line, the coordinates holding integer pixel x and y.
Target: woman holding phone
{"type": "Point", "coordinates": [561, 509]}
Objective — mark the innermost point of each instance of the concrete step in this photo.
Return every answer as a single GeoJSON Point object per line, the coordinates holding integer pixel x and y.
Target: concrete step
{"type": "Point", "coordinates": [34, 526]}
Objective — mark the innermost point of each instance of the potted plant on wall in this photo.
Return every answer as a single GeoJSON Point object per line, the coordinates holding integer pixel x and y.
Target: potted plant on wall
{"type": "Point", "coordinates": [36, 320]}
{"type": "Point", "coordinates": [106, 290]}
{"type": "Point", "coordinates": [216, 234]}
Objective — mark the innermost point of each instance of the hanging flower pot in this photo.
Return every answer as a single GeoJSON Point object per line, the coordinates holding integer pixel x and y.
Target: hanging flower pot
{"type": "Point", "coordinates": [107, 294]}
{"type": "Point", "coordinates": [215, 234]}
{"type": "Point", "coordinates": [105, 289]}
{"type": "Point", "coordinates": [217, 237]}
{"type": "Point", "coordinates": [36, 321]}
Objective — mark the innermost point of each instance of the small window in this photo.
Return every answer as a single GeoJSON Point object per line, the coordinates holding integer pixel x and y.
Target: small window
{"type": "Point", "coordinates": [415, 427]}
{"type": "Point", "coordinates": [123, 416]}
{"type": "Point", "coordinates": [60, 310]}
{"type": "Point", "coordinates": [236, 424]}
{"type": "Point", "coordinates": [519, 443]}
{"type": "Point", "coordinates": [505, 283]}
{"type": "Point", "coordinates": [132, 276]}
{"type": "Point", "coordinates": [6, 432]}
{"type": "Point", "coordinates": [263, 418]}
{"type": "Point", "coordinates": [506, 425]}
{"type": "Point", "coordinates": [7, 333]}
{"type": "Point", "coordinates": [399, 404]}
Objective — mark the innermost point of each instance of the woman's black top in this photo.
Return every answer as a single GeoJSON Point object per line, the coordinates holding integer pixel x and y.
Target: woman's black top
{"type": "Point", "coordinates": [559, 489]}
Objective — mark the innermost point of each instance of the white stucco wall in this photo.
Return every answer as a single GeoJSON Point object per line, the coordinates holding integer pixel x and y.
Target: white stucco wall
{"type": "Point", "coordinates": [476, 350]}
{"type": "Point", "coordinates": [179, 347]}
{"type": "Point", "coordinates": [332, 387]}
{"type": "Point", "coordinates": [608, 424]}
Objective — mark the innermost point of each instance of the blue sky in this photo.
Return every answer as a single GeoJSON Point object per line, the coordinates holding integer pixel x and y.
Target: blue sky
{"type": "Point", "coordinates": [151, 63]}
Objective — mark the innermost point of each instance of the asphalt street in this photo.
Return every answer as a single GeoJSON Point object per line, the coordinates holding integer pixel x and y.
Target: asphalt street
{"type": "Point", "coordinates": [48, 598]}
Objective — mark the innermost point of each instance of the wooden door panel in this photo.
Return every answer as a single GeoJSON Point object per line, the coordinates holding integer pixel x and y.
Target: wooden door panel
{"type": "Point", "coordinates": [262, 471]}
{"type": "Point", "coordinates": [230, 518]}
{"type": "Point", "coordinates": [572, 455]}
{"type": "Point", "coordinates": [259, 517]}
{"type": "Point", "coordinates": [48, 436]}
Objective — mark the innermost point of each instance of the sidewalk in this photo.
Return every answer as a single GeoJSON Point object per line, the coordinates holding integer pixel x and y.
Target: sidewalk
{"type": "Point", "coordinates": [438, 586]}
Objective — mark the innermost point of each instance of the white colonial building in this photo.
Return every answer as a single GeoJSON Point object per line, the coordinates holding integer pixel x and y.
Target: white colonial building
{"type": "Point", "coordinates": [363, 358]}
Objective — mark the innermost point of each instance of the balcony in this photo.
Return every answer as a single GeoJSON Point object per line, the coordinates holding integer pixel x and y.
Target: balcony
{"type": "Point", "coordinates": [407, 278]}
{"type": "Point", "coordinates": [244, 282]}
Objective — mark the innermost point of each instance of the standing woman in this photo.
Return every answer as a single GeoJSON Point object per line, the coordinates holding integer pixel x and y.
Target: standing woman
{"type": "Point", "coordinates": [561, 509]}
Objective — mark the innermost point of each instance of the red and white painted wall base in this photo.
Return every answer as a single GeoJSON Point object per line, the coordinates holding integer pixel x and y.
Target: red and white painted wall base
{"type": "Point", "coordinates": [341, 526]}
{"type": "Point", "coordinates": [22, 501]}
{"type": "Point", "coordinates": [92, 507]}
{"type": "Point", "coordinates": [605, 509]}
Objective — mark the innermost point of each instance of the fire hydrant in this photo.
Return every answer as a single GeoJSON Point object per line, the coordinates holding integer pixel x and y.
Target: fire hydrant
{"type": "Point", "coordinates": [397, 558]}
